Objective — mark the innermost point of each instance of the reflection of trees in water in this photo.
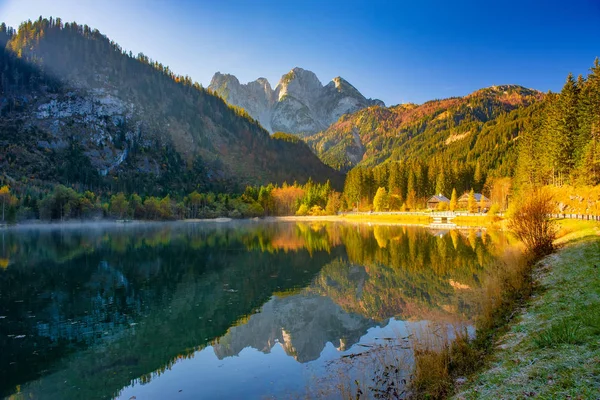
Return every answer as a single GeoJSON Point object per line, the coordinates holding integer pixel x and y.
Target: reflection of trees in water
{"type": "Point", "coordinates": [407, 272]}
{"type": "Point", "coordinates": [182, 297]}
{"type": "Point", "coordinates": [142, 297]}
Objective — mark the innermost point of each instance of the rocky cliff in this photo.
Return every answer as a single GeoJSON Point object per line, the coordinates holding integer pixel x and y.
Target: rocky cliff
{"type": "Point", "coordinates": [299, 104]}
{"type": "Point", "coordinates": [77, 109]}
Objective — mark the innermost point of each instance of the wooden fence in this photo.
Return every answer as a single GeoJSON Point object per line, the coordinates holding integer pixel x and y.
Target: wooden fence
{"type": "Point", "coordinates": [583, 217]}
{"type": "Point", "coordinates": [451, 214]}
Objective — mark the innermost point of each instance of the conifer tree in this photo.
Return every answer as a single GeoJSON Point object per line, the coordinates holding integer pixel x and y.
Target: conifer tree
{"type": "Point", "coordinates": [531, 167]}
{"type": "Point", "coordinates": [562, 129]}
{"type": "Point", "coordinates": [353, 187]}
{"type": "Point", "coordinates": [477, 177]}
{"type": "Point", "coordinates": [589, 126]}
{"type": "Point", "coordinates": [453, 200]}
{"type": "Point", "coordinates": [471, 202]}
{"type": "Point", "coordinates": [411, 185]}
{"type": "Point", "coordinates": [482, 204]}
{"type": "Point", "coordinates": [590, 161]}
{"type": "Point", "coordinates": [440, 185]}
{"type": "Point", "coordinates": [395, 180]}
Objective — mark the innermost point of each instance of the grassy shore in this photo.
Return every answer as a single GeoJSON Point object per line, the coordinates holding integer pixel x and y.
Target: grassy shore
{"type": "Point", "coordinates": [551, 350]}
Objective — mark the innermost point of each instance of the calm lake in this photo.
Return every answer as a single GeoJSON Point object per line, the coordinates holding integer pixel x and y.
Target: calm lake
{"type": "Point", "coordinates": [231, 310]}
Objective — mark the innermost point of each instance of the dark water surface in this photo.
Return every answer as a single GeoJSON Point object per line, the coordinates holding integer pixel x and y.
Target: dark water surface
{"type": "Point", "coordinates": [219, 310]}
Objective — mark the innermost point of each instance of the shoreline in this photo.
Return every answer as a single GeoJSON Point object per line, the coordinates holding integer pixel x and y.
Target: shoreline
{"type": "Point", "coordinates": [416, 219]}
{"type": "Point", "coordinates": [549, 349]}
{"type": "Point", "coordinates": [423, 220]}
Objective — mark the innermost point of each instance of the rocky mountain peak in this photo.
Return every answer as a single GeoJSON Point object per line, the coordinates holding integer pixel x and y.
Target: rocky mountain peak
{"type": "Point", "coordinates": [341, 85]}
{"type": "Point", "coordinates": [220, 78]}
{"type": "Point", "coordinates": [299, 104]}
{"type": "Point", "coordinates": [301, 84]}
{"type": "Point", "coordinates": [264, 82]}
{"type": "Point", "coordinates": [340, 82]}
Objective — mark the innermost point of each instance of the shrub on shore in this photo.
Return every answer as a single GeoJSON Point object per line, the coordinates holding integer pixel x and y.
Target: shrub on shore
{"type": "Point", "coordinates": [532, 224]}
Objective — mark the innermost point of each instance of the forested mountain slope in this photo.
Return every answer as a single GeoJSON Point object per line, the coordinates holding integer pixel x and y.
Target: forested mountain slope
{"type": "Point", "coordinates": [482, 126]}
{"type": "Point", "coordinates": [495, 140]}
{"type": "Point", "coordinates": [75, 108]}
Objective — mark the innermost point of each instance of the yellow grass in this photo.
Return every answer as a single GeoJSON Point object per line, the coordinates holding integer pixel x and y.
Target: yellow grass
{"type": "Point", "coordinates": [389, 218]}
{"type": "Point", "coordinates": [572, 230]}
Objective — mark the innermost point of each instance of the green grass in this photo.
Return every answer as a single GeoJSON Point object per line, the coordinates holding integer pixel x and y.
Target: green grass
{"type": "Point", "coordinates": [552, 349]}
{"type": "Point", "coordinates": [563, 332]}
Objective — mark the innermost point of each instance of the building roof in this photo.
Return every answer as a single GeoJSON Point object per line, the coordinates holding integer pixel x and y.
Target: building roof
{"type": "Point", "coordinates": [438, 198]}
{"type": "Point", "coordinates": [478, 196]}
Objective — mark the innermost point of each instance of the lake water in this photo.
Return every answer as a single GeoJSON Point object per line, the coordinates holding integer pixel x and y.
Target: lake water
{"type": "Point", "coordinates": [247, 310]}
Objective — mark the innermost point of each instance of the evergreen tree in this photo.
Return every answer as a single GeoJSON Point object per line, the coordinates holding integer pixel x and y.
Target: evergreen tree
{"type": "Point", "coordinates": [531, 167]}
{"type": "Point", "coordinates": [353, 187]}
{"type": "Point", "coordinates": [395, 186]}
{"type": "Point", "coordinates": [411, 187]}
{"type": "Point", "coordinates": [440, 185]}
{"type": "Point", "coordinates": [563, 129]}
{"type": "Point", "coordinates": [477, 176]}
{"type": "Point", "coordinates": [472, 202]}
{"type": "Point", "coordinates": [589, 125]}
{"type": "Point", "coordinates": [453, 200]}
{"type": "Point", "coordinates": [590, 162]}
{"type": "Point", "coordinates": [411, 200]}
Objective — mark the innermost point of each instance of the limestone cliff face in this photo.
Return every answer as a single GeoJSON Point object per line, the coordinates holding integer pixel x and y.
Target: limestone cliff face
{"type": "Point", "coordinates": [299, 104]}
{"type": "Point", "coordinates": [256, 97]}
{"type": "Point", "coordinates": [76, 109]}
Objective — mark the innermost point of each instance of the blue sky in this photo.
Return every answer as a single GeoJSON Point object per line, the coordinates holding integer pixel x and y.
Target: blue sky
{"type": "Point", "coordinates": [398, 51]}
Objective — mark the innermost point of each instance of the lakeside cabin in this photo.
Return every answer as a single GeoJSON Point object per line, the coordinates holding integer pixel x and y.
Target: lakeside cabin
{"type": "Point", "coordinates": [435, 200]}
{"type": "Point", "coordinates": [463, 202]}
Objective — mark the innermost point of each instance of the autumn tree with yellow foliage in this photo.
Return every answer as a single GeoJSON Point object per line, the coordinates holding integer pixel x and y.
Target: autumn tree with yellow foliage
{"type": "Point", "coordinates": [5, 198]}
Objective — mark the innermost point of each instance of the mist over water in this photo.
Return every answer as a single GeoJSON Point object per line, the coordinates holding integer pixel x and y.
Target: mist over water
{"type": "Point", "coordinates": [207, 310]}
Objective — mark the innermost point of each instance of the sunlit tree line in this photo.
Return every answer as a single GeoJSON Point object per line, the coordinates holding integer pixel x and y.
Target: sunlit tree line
{"type": "Point", "coordinates": [64, 203]}
{"type": "Point", "coordinates": [562, 146]}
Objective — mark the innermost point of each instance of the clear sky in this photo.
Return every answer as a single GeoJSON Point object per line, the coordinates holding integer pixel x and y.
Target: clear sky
{"type": "Point", "coordinates": [398, 51]}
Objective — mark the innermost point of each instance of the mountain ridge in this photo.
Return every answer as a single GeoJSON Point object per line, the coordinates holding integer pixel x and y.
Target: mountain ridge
{"type": "Point", "coordinates": [376, 134]}
{"type": "Point", "coordinates": [77, 109]}
{"type": "Point", "coordinates": [299, 103]}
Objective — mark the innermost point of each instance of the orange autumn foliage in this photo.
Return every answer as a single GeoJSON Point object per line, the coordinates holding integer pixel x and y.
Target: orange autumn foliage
{"type": "Point", "coordinates": [286, 198]}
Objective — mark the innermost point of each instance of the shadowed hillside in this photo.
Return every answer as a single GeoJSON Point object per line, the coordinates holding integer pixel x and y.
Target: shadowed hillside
{"type": "Point", "coordinates": [76, 108]}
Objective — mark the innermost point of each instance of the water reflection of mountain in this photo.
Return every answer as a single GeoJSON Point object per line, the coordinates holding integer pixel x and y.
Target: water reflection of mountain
{"type": "Point", "coordinates": [88, 311]}
{"type": "Point", "coordinates": [302, 323]}
{"type": "Point", "coordinates": [140, 299]}
{"type": "Point", "coordinates": [387, 272]}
